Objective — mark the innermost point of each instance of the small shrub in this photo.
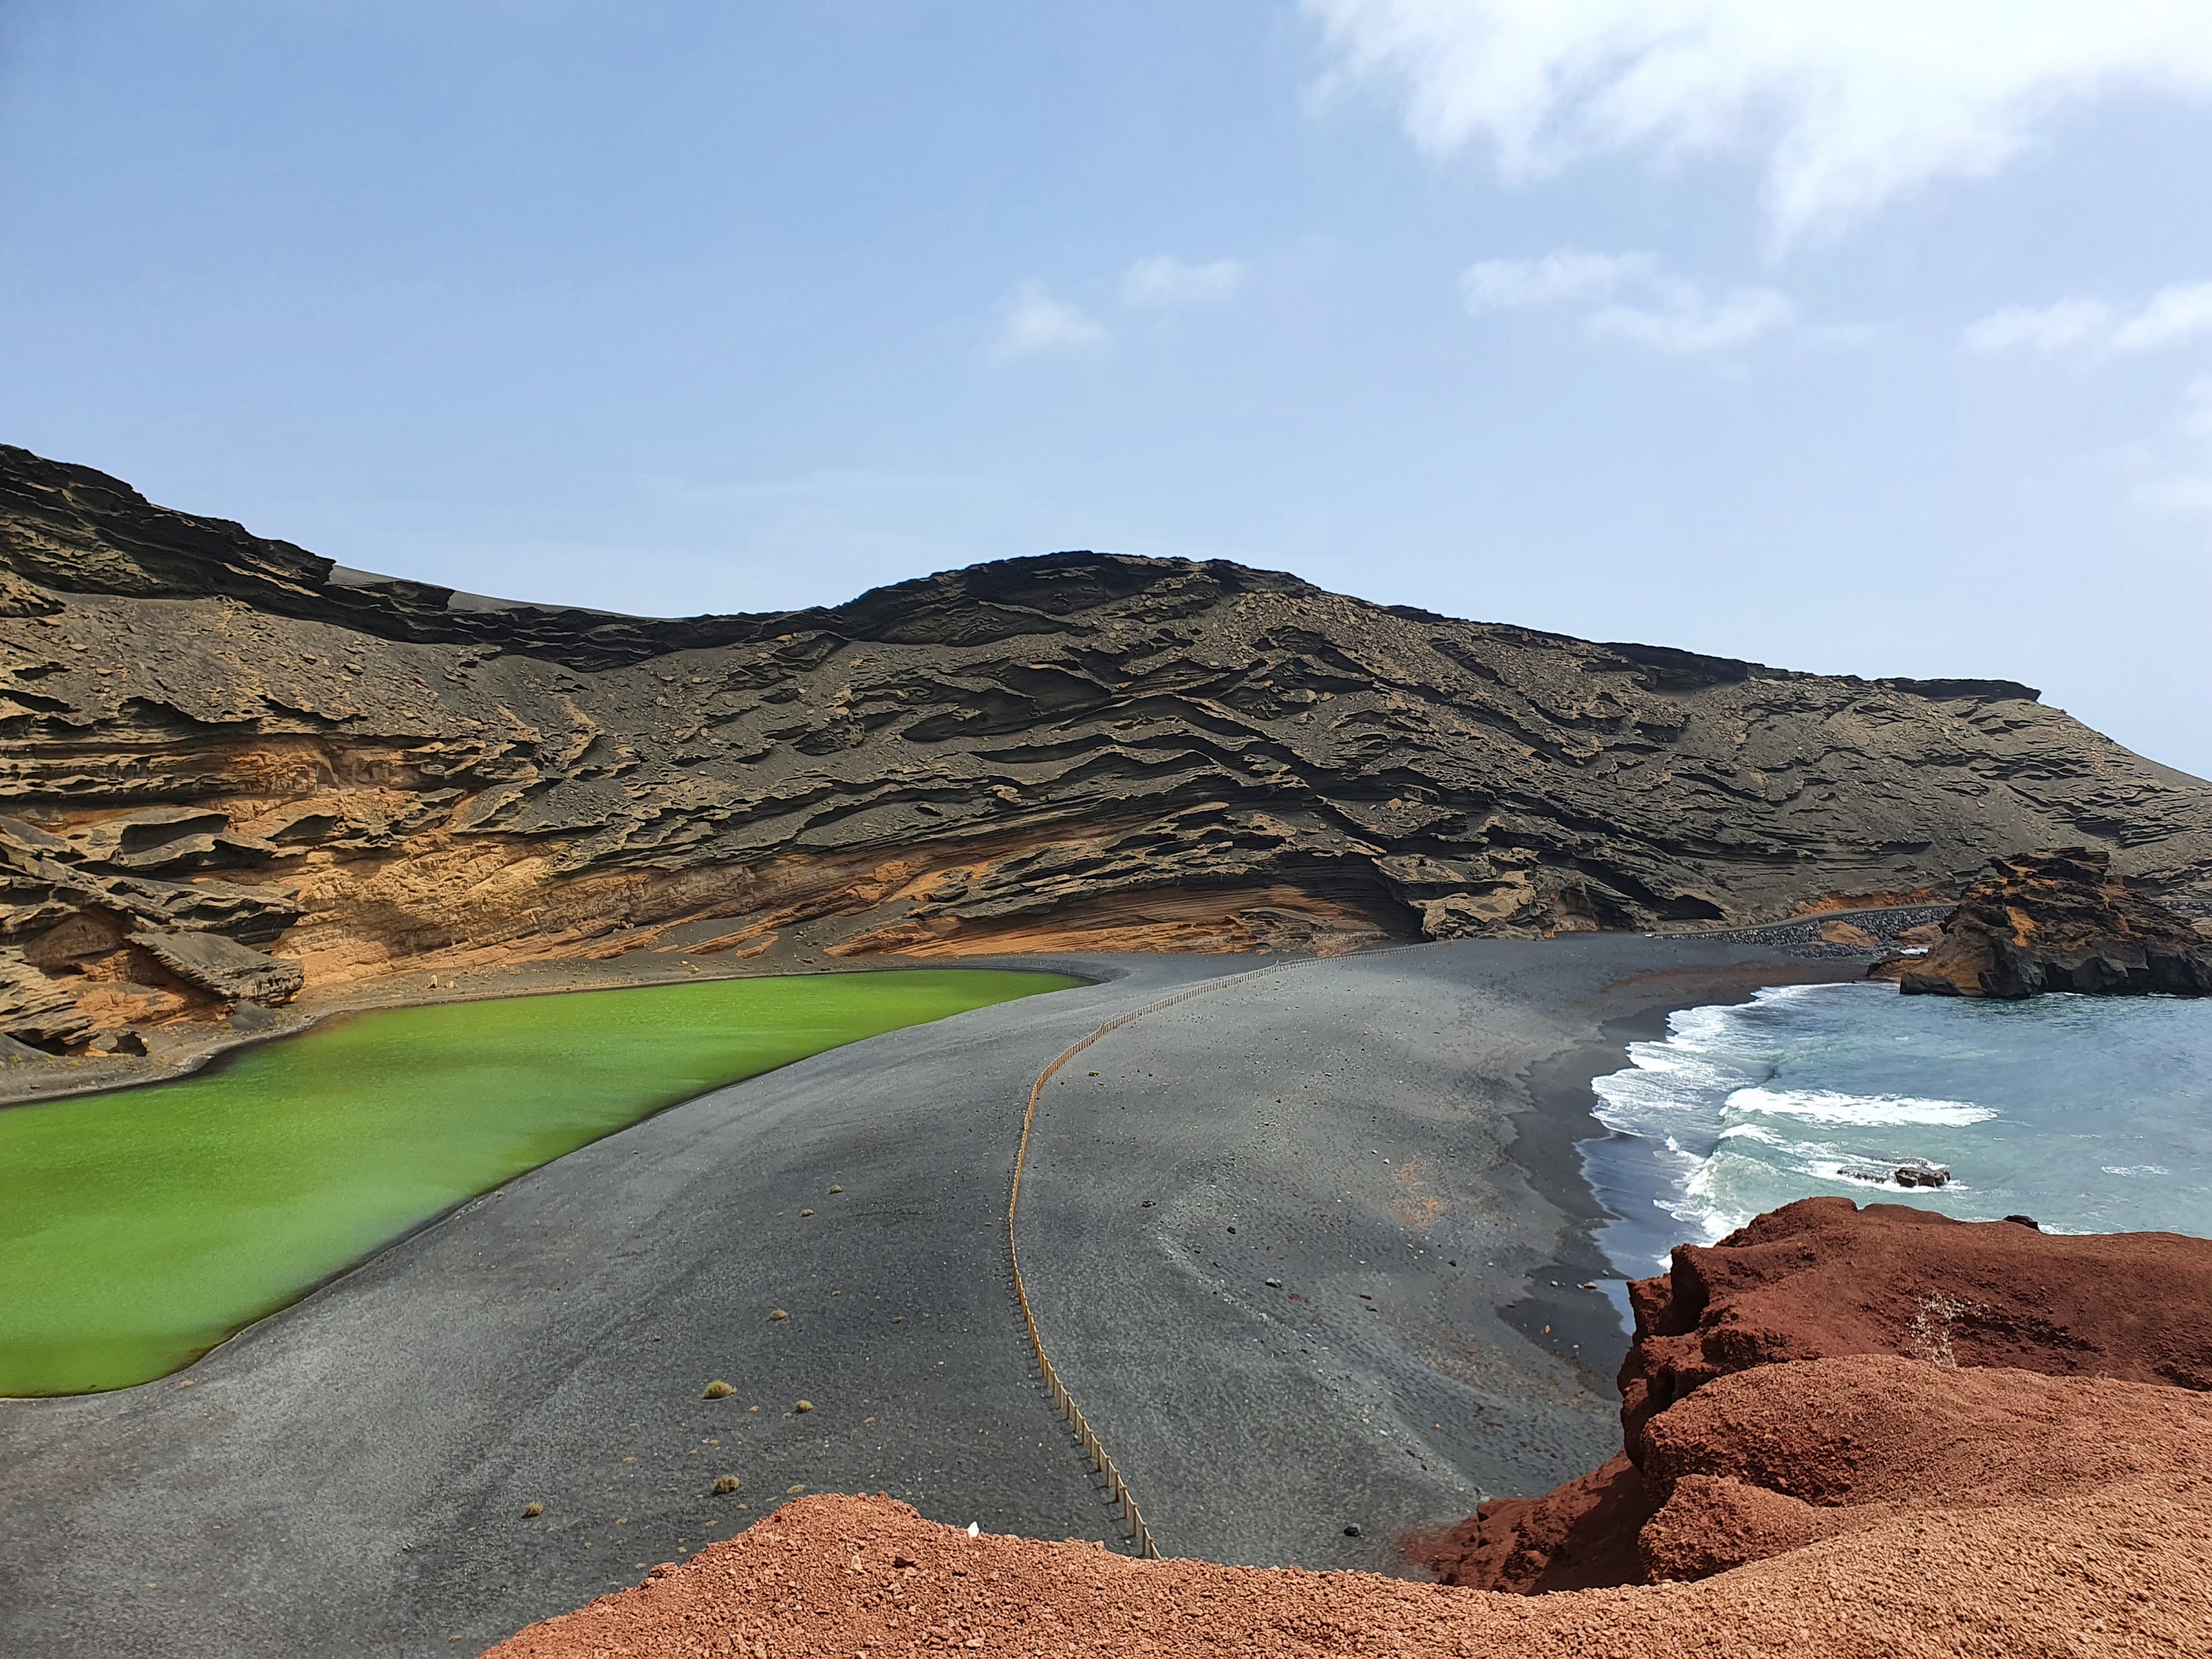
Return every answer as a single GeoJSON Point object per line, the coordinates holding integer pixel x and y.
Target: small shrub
{"type": "Point", "coordinates": [719, 1390]}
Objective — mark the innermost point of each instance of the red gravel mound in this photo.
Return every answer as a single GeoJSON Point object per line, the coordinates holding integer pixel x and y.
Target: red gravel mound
{"type": "Point", "coordinates": [2122, 1571]}
{"type": "Point", "coordinates": [1824, 1280]}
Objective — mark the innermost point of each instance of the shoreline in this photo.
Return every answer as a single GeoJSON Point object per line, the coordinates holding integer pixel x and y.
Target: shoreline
{"type": "Point", "coordinates": [184, 1046]}
{"type": "Point", "coordinates": [1560, 1118]}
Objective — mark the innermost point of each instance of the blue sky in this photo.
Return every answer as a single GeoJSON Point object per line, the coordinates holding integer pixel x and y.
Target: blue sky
{"type": "Point", "coordinates": [1871, 337]}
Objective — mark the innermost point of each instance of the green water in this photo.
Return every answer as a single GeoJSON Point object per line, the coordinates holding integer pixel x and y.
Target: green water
{"type": "Point", "coordinates": [140, 1228]}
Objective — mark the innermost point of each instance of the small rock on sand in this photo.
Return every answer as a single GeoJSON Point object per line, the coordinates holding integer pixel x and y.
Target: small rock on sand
{"type": "Point", "coordinates": [718, 1389]}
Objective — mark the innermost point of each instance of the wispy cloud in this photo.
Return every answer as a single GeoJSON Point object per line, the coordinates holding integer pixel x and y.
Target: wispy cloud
{"type": "Point", "coordinates": [1677, 316]}
{"type": "Point", "coordinates": [1507, 284]}
{"type": "Point", "coordinates": [1850, 103]}
{"type": "Point", "coordinates": [1032, 321]}
{"type": "Point", "coordinates": [1687, 323]}
{"type": "Point", "coordinates": [2174, 316]}
{"type": "Point", "coordinates": [1162, 280]}
{"type": "Point", "coordinates": [2069, 325]}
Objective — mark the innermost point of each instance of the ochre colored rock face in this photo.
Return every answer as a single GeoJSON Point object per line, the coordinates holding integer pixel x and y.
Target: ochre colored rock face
{"type": "Point", "coordinates": [217, 732]}
{"type": "Point", "coordinates": [2059, 921]}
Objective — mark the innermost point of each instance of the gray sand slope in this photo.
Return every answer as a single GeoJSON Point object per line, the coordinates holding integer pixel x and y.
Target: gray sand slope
{"type": "Point", "coordinates": [348, 1477]}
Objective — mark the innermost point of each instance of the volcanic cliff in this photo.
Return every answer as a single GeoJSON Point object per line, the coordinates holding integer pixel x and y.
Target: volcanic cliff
{"type": "Point", "coordinates": [210, 733]}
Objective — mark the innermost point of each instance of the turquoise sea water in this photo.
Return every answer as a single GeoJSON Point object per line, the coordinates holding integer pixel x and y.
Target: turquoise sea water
{"type": "Point", "coordinates": [2090, 1114]}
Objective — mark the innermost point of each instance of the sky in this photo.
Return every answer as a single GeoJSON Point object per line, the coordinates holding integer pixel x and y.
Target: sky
{"type": "Point", "coordinates": [1871, 338]}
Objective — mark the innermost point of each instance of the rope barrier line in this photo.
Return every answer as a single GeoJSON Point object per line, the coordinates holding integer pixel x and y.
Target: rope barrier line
{"type": "Point", "coordinates": [1071, 1413]}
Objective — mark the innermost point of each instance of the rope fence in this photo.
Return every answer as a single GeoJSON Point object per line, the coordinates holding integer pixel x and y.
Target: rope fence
{"type": "Point", "coordinates": [1071, 1413]}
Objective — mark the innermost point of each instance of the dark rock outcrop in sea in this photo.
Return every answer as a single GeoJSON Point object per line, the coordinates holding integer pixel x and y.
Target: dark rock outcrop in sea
{"type": "Point", "coordinates": [205, 730]}
{"type": "Point", "coordinates": [1828, 1368]}
{"type": "Point", "coordinates": [2058, 922]}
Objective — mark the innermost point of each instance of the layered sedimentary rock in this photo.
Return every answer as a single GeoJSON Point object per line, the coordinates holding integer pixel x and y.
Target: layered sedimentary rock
{"type": "Point", "coordinates": [1828, 1370]}
{"type": "Point", "coordinates": [1079, 748]}
{"type": "Point", "coordinates": [2059, 921]}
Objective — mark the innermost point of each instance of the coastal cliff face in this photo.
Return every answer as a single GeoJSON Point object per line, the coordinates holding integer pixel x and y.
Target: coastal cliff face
{"type": "Point", "coordinates": [2058, 922]}
{"type": "Point", "coordinates": [1827, 1370]}
{"type": "Point", "coordinates": [206, 731]}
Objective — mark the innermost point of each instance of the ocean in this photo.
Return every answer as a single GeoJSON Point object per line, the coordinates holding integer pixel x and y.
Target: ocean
{"type": "Point", "coordinates": [2089, 1114]}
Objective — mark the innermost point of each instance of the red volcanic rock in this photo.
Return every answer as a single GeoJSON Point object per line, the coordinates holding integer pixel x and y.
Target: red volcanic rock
{"type": "Point", "coordinates": [1579, 1536]}
{"type": "Point", "coordinates": [1822, 1278]}
{"type": "Point", "coordinates": [1739, 1446]}
{"type": "Point", "coordinates": [2058, 922]}
{"type": "Point", "coordinates": [1771, 1460]}
{"type": "Point", "coordinates": [2120, 1571]}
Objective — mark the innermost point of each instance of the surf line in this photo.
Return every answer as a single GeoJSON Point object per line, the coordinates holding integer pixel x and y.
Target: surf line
{"type": "Point", "coordinates": [1071, 1413]}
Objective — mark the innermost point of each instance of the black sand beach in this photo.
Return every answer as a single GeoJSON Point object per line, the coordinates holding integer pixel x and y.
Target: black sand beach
{"type": "Point", "coordinates": [350, 1476]}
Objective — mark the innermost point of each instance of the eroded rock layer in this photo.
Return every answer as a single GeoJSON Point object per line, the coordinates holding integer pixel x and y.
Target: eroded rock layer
{"type": "Point", "coordinates": [362, 775]}
{"type": "Point", "coordinates": [2058, 922]}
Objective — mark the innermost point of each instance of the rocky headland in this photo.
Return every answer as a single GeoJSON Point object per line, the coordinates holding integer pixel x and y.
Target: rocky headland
{"type": "Point", "coordinates": [2057, 922]}
{"type": "Point", "coordinates": [237, 772]}
{"type": "Point", "coordinates": [1828, 1369]}
{"type": "Point", "coordinates": [1849, 1432]}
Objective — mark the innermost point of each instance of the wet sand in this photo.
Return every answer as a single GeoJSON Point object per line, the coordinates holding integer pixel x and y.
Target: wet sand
{"type": "Point", "coordinates": [349, 1475]}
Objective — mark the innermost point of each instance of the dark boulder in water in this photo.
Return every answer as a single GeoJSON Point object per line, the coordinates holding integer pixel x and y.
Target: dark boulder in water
{"type": "Point", "coordinates": [2058, 922]}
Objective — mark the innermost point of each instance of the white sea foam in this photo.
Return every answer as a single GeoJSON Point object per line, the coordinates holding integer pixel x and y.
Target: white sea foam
{"type": "Point", "coordinates": [2091, 1115]}
{"type": "Point", "coordinates": [1861, 1111]}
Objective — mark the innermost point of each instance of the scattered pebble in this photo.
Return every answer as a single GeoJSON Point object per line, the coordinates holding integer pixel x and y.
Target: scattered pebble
{"type": "Point", "coordinates": [531, 1511]}
{"type": "Point", "coordinates": [1351, 1531]}
{"type": "Point", "coordinates": [1274, 1283]}
{"type": "Point", "coordinates": [836, 1189]}
{"type": "Point", "coordinates": [803, 1214]}
{"type": "Point", "coordinates": [718, 1389]}
{"type": "Point", "coordinates": [795, 1489]}
{"type": "Point", "coordinates": [775, 1314]}
{"type": "Point", "coordinates": [727, 1485]}
{"type": "Point", "coordinates": [804, 1405]}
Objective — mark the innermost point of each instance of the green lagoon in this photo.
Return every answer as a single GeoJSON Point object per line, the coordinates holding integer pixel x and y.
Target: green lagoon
{"type": "Point", "coordinates": [141, 1227]}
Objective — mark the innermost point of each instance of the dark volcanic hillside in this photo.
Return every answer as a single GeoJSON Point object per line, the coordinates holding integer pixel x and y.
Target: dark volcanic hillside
{"type": "Point", "coordinates": [225, 736]}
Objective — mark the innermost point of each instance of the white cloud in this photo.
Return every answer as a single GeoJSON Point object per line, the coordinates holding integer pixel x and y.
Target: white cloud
{"type": "Point", "coordinates": [2173, 315]}
{"type": "Point", "coordinates": [1034, 321]}
{"type": "Point", "coordinates": [1164, 280]}
{"type": "Point", "coordinates": [1503, 284]}
{"type": "Point", "coordinates": [2069, 325]}
{"type": "Point", "coordinates": [1848, 102]}
{"type": "Point", "coordinates": [1688, 324]}
{"type": "Point", "coordinates": [1682, 323]}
